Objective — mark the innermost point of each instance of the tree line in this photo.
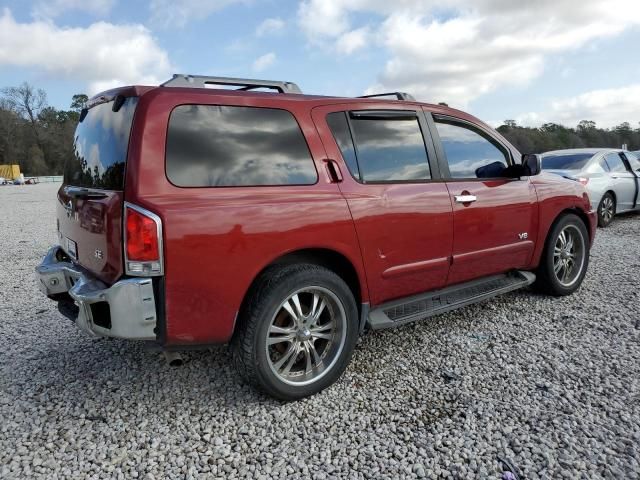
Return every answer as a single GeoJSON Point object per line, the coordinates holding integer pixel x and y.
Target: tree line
{"type": "Point", "coordinates": [33, 134]}
{"type": "Point", "coordinates": [39, 137]}
{"type": "Point", "coordinates": [552, 136]}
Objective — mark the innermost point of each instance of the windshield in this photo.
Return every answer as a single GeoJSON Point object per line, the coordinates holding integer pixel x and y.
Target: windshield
{"type": "Point", "coordinates": [570, 161]}
{"type": "Point", "coordinates": [100, 147]}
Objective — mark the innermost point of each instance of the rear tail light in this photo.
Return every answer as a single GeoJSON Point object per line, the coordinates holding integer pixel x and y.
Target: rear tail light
{"type": "Point", "coordinates": [142, 242]}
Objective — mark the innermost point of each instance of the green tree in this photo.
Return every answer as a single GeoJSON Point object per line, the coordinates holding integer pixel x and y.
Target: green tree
{"type": "Point", "coordinates": [27, 102]}
{"type": "Point", "coordinates": [78, 101]}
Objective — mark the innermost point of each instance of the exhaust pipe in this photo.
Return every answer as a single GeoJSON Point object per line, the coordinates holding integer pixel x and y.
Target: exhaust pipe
{"type": "Point", "coordinates": [174, 359]}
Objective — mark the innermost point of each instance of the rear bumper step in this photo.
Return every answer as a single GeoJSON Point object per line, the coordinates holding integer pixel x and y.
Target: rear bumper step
{"type": "Point", "coordinates": [421, 306]}
{"type": "Point", "coordinates": [126, 309]}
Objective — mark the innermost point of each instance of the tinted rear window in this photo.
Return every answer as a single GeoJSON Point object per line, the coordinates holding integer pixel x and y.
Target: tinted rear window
{"type": "Point", "coordinates": [574, 161]}
{"type": "Point", "coordinates": [100, 147]}
{"type": "Point", "coordinates": [210, 145]}
{"type": "Point", "coordinates": [339, 126]}
{"type": "Point", "coordinates": [390, 150]}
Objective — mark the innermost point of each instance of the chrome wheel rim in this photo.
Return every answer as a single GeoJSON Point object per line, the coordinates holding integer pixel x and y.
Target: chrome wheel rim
{"type": "Point", "coordinates": [607, 209]}
{"type": "Point", "coordinates": [569, 255]}
{"type": "Point", "coordinates": [306, 336]}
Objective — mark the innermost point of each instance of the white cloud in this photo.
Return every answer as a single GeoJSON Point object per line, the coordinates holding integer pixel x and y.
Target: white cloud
{"type": "Point", "coordinates": [457, 50]}
{"type": "Point", "coordinates": [54, 8]}
{"type": "Point", "coordinates": [103, 55]}
{"type": "Point", "coordinates": [270, 26]}
{"type": "Point", "coordinates": [177, 13]}
{"type": "Point", "coordinates": [321, 19]}
{"type": "Point", "coordinates": [263, 62]}
{"type": "Point", "coordinates": [607, 107]}
{"type": "Point", "coordinates": [354, 40]}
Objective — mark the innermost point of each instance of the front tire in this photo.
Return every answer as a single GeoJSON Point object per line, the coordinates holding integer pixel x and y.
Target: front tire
{"type": "Point", "coordinates": [296, 332]}
{"type": "Point", "coordinates": [606, 210]}
{"type": "Point", "coordinates": [565, 257]}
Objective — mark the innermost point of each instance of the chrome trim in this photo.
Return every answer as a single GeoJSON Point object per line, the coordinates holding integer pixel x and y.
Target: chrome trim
{"type": "Point", "coordinates": [465, 198]}
{"type": "Point", "coordinates": [158, 221]}
{"type": "Point", "coordinates": [131, 301]}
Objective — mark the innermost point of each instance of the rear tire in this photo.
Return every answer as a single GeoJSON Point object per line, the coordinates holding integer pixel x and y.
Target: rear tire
{"type": "Point", "coordinates": [297, 331]}
{"type": "Point", "coordinates": [606, 210]}
{"type": "Point", "coordinates": [565, 257]}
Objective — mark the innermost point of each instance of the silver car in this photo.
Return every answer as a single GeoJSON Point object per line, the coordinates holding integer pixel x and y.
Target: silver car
{"type": "Point", "coordinates": [611, 176]}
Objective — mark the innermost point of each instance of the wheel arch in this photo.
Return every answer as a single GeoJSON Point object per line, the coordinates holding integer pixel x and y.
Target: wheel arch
{"type": "Point", "coordinates": [580, 213]}
{"type": "Point", "coordinates": [613, 194]}
{"type": "Point", "coordinates": [329, 258]}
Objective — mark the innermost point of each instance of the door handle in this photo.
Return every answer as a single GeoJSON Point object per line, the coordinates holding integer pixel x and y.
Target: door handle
{"type": "Point", "coordinates": [467, 198]}
{"type": "Point", "coordinates": [333, 170]}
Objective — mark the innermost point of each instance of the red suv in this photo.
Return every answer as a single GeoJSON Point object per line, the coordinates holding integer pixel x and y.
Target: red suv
{"type": "Point", "coordinates": [287, 224]}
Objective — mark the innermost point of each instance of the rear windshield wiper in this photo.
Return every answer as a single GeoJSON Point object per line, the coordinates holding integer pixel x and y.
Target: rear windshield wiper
{"type": "Point", "coordinates": [83, 193]}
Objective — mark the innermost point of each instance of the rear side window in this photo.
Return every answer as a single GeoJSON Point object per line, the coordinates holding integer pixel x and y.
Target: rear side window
{"type": "Point", "coordinates": [339, 126]}
{"type": "Point", "coordinates": [469, 152]}
{"type": "Point", "coordinates": [634, 161]}
{"type": "Point", "coordinates": [390, 150]}
{"type": "Point", "coordinates": [389, 146]}
{"type": "Point", "coordinates": [599, 166]}
{"type": "Point", "coordinates": [210, 145]}
{"type": "Point", "coordinates": [615, 162]}
{"type": "Point", "coordinates": [100, 147]}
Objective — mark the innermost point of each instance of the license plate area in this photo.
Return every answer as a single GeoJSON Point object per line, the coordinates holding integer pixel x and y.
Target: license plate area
{"type": "Point", "coordinates": [70, 247]}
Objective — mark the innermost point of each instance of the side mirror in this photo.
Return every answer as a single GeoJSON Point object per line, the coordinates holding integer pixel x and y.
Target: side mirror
{"type": "Point", "coordinates": [531, 164]}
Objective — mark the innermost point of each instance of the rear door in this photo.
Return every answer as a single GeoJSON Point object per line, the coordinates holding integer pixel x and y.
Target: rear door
{"type": "Point", "coordinates": [90, 201]}
{"type": "Point", "coordinates": [400, 206]}
{"type": "Point", "coordinates": [624, 181]}
{"type": "Point", "coordinates": [494, 217]}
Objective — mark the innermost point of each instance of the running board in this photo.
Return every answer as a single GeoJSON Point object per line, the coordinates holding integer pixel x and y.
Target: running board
{"type": "Point", "coordinates": [417, 307]}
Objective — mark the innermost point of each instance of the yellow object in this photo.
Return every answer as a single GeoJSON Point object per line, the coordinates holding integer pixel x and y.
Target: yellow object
{"type": "Point", "coordinates": [10, 172]}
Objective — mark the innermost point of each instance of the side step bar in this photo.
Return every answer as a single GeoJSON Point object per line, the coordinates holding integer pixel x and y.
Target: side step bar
{"type": "Point", "coordinates": [417, 307]}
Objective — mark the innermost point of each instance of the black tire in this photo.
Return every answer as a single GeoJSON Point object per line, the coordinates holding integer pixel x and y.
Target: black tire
{"type": "Point", "coordinates": [548, 280]}
{"type": "Point", "coordinates": [606, 210]}
{"type": "Point", "coordinates": [252, 355]}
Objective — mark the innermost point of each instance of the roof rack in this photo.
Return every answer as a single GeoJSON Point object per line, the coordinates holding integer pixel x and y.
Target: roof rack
{"type": "Point", "coordinates": [407, 97]}
{"type": "Point", "coordinates": [202, 81]}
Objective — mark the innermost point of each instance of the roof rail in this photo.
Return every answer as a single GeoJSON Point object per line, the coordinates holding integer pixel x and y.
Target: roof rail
{"type": "Point", "coordinates": [202, 81]}
{"type": "Point", "coordinates": [407, 97]}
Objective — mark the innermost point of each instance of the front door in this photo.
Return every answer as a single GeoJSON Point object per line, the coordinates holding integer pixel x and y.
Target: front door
{"type": "Point", "coordinates": [493, 216]}
{"type": "Point", "coordinates": [390, 180]}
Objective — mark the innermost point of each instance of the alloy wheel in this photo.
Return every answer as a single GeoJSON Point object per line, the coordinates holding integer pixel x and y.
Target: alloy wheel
{"type": "Point", "coordinates": [569, 255]}
{"type": "Point", "coordinates": [607, 209]}
{"type": "Point", "coordinates": [306, 336]}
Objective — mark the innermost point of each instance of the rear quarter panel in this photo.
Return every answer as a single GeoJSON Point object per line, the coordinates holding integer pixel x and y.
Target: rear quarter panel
{"type": "Point", "coordinates": [217, 240]}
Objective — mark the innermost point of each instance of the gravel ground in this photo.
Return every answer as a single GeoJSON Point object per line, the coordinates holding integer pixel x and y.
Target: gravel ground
{"type": "Point", "coordinates": [552, 385]}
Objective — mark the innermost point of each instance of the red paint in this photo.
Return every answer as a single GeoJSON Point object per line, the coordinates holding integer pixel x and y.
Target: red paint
{"type": "Point", "coordinates": [95, 225]}
{"type": "Point", "coordinates": [486, 232]}
{"type": "Point", "coordinates": [401, 239]}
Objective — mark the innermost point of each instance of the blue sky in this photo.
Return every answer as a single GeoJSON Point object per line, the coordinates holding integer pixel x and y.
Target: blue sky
{"type": "Point", "coordinates": [532, 61]}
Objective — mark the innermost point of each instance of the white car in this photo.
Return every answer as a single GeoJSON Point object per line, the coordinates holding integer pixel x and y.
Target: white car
{"type": "Point", "coordinates": [611, 176]}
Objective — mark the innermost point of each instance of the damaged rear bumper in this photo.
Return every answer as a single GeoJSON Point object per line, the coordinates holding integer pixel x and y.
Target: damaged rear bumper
{"type": "Point", "coordinates": [126, 309]}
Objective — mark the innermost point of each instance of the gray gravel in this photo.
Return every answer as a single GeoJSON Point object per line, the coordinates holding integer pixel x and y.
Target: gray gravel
{"type": "Point", "coordinates": [553, 385]}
